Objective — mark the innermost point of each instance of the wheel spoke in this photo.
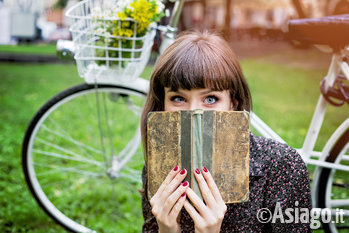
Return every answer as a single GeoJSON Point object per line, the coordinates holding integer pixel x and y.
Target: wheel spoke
{"type": "Point", "coordinates": [45, 142]}
{"type": "Point", "coordinates": [70, 144]}
{"type": "Point", "coordinates": [52, 170]}
{"type": "Point", "coordinates": [133, 174]}
{"type": "Point", "coordinates": [100, 126]}
{"type": "Point", "coordinates": [130, 146]}
{"type": "Point", "coordinates": [70, 169]}
{"type": "Point", "coordinates": [106, 116]}
{"type": "Point", "coordinates": [67, 137]}
{"type": "Point", "coordinates": [65, 157]}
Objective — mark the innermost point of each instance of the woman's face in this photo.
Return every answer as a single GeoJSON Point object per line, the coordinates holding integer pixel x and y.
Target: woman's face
{"type": "Point", "coordinates": [205, 99]}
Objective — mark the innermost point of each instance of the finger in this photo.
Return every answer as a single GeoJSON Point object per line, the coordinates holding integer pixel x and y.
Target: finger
{"type": "Point", "coordinates": [178, 206]}
{"type": "Point", "coordinates": [193, 213]}
{"type": "Point", "coordinates": [205, 190]}
{"type": "Point", "coordinates": [212, 185]}
{"type": "Point", "coordinates": [173, 198]}
{"type": "Point", "coordinates": [172, 186]}
{"type": "Point", "coordinates": [175, 182]}
{"type": "Point", "coordinates": [167, 180]}
{"type": "Point", "coordinates": [197, 203]}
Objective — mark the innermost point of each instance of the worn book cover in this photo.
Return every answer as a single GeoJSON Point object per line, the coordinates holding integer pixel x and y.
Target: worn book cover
{"type": "Point", "coordinates": [218, 140]}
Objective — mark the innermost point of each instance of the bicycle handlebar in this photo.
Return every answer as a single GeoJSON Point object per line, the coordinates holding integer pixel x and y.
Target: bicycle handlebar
{"type": "Point", "coordinates": [177, 10]}
{"type": "Point", "coordinates": [65, 49]}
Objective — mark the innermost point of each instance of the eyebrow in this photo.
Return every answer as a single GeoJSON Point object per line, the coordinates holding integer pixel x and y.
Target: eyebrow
{"type": "Point", "coordinates": [206, 92]}
{"type": "Point", "coordinates": [201, 93]}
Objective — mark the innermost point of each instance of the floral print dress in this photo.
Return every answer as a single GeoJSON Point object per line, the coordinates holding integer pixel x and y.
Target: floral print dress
{"type": "Point", "coordinates": [278, 180]}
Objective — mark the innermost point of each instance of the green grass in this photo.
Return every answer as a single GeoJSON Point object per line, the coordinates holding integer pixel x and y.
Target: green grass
{"type": "Point", "coordinates": [284, 97]}
{"type": "Point", "coordinates": [24, 89]}
{"type": "Point", "coordinates": [44, 49]}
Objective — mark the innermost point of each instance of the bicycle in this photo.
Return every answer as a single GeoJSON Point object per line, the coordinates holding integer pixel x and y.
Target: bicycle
{"type": "Point", "coordinates": [62, 165]}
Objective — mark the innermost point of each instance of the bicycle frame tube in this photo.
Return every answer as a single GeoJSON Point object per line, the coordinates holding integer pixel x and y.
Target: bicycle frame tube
{"type": "Point", "coordinates": [177, 10]}
{"type": "Point", "coordinates": [171, 29]}
{"type": "Point", "coordinates": [321, 162]}
{"type": "Point", "coordinates": [307, 150]}
{"type": "Point", "coordinates": [318, 117]}
{"type": "Point", "coordinates": [262, 128]}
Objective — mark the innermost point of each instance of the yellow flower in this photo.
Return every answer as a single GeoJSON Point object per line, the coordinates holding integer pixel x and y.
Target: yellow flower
{"type": "Point", "coordinates": [125, 24]}
{"type": "Point", "coordinates": [128, 33]}
{"type": "Point", "coordinates": [143, 14]}
{"type": "Point", "coordinates": [122, 15]}
{"type": "Point", "coordinates": [133, 20]}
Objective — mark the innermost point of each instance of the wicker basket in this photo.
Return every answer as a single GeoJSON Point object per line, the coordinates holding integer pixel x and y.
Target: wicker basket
{"type": "Point", "coordinates": [96, 59]}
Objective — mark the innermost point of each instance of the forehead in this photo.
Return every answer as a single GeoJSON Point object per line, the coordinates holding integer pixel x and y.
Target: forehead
{"type": "Point", "coordinates": [196, 91]}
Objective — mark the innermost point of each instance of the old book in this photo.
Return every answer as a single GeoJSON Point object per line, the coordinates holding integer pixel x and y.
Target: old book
{"type": "Point", "coordinates": [218, 140]}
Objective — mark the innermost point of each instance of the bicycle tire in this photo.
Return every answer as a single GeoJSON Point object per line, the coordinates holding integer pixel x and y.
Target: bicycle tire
{"type": "Point", "coordinates": [331, 185]}
{"type": "Point", "coordinates": [63, 165]}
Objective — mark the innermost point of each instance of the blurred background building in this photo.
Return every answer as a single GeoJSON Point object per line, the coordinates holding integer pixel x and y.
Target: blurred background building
{"type": "Point", "coordinates": [32, 20]}
{"type": "Point", "coordinates": [261, 19]}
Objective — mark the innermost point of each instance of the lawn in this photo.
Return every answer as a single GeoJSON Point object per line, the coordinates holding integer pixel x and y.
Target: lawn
{"type": "Point", "coordinates": [43, 49]}
{"type": "Point", "coordinates": [283, 96]}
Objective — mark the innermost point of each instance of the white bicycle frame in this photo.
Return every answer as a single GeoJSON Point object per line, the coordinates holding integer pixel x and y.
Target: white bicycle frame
{"type": "Point", "coordinates": [307, 152]}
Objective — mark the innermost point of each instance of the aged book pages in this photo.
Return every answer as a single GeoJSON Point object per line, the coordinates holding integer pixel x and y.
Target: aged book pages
{"type": "Point", "coordinates": [218, 140]}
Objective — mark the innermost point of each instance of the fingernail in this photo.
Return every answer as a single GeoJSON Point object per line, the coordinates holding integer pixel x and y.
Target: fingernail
{"type": "Point", "coordinates": [185, 183]}
{"type": "Point", "coordinates": [182, 172]}
{"type": "Point", "coordinates": [175, 168]}
{"type": "Point", "coordinates": [183, 195]}
{"type": "Point", "coordinates": [197, 171]}
{"type": "Point", "coordinates": [205, 169]}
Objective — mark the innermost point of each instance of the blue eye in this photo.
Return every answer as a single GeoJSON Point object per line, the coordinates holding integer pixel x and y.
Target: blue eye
{"type": "Point", "coordinates": [211, 99]}
{"type": "Point", "coordinates": [177, 99]}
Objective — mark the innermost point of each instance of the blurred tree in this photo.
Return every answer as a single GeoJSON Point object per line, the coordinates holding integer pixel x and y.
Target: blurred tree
{"type": "Point", "coordinates": [342, 7]}
{"type": "Point", "coordinates": [227, 29]}
{"type": "Point", "coordinates": [60, 4]}
{"type": "Point", "coordinates": [299, 8]}
{"type": "Point", "coordinates": [327, 7]}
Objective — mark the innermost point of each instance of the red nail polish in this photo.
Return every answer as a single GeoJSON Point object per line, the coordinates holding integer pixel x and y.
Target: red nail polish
{"type": "Point", "coordinates": [182, 172]}
{"type": "Point", "coordinates": [175, 169]}
{"type": "Point", "coordinates": [183, 195]}
{"type": "Point", "coordinates": [205, 169]}
{"type": "Point", "coordinates": [197, 171]}
{"type": "Point", "coordinates": [185, 183]}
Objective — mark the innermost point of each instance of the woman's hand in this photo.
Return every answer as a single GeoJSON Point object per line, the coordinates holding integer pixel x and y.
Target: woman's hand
{"type": "Point", "coordinates": [169, 200]}
{"type": "Point", "coordinates": [209, 217]}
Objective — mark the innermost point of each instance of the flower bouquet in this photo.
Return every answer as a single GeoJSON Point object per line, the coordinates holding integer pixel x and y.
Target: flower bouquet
{"type": "Point", "coordinates": [114, 38]}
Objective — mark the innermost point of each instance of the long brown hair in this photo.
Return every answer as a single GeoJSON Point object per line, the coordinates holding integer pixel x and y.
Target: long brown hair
{"type": "Point", "coordinates": [196, 60]}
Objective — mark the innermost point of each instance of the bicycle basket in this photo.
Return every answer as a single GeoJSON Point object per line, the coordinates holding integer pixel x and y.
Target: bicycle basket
{"type": "Point", "coordinates": [104, 51]}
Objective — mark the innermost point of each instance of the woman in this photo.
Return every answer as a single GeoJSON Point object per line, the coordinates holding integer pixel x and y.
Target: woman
{"type": "Point", "coordinates": [200, 71]}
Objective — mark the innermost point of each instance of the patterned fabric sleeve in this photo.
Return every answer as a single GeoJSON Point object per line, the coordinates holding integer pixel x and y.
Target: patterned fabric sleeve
{"type": "Point", "coordinates": [288, 191]}
{"type": "Point", "coordinates": [150, 225]}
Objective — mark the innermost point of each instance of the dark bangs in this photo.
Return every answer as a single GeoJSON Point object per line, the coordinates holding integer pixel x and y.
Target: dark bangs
{"type": "Point", "coordinates": [197, 64]}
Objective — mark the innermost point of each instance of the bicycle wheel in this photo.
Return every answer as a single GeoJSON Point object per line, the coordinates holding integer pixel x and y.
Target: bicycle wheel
{"type": "Point", "coordinates": [82, 159]}
{"type": "Point", "coordinates": [333, 189]}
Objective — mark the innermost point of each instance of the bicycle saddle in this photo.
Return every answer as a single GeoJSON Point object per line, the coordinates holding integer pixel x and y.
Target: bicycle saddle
{"type": "Point", "coordinates": [330, 30]}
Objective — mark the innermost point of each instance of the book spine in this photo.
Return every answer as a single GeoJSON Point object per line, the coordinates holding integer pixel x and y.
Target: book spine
{"type": "Point", "coordinates": [197, 147]}
{"type": "Point", "coordinates": [185, 147]}
{"type": "Point", "coordinates": [208, 132]}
